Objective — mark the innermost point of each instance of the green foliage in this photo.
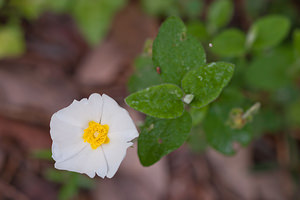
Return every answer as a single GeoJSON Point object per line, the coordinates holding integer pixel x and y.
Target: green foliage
{"type": "Point", "coordinates": [256, 7]}
{"type": "Point", "coordinates": [197, 141]}
{"type": "Point", "coordinates": [180, 61]}
{"type": "Point", "coordinates": [145, 75]}
{"type": "Point", "coordinates": [64, 177]}
{"type": "Point", "coordinates": [68, 190]}
{"type": "Point", "coordinates": [176, 52]}
{"type": "Point", "coordinates": [219, 14]}
{"type": "Point", "coordinates": [270, 72]}
{"type": "Point", "coordinates": [71, 182]}
{"type": "Point", "coordinates": [198, 30]}
{"type": "Point", "coordinates": [285, 95]}
{"type": "Point", "coordinates": [229, 43]}
{"type": "Point", "coordinates": [187, 8]}
{"type": "Point", "coordinates": [29, 9]}
{"type": "Point", "coordinates": [267, 120]}
{"type": "Point", "coordinates": [219, 134]}
{"type": "Point", "coordinates": [59, 6]}
{"type": "Point", "coordinates": [94, 17]}
{"type": "Point", "coordinates": [11, 40]}
{"type": "Point", "coordinates": [157, 7]}
{"type": "Point", "coordinates": [264, 73]}
{"type": "Point", "coordinates": [293, 114]}
{"type": "Point", "coordinates": [159, 137]}
{"type": "Point", "coordinates": [198, 114]}
{"type": "Point", "coordinates": [296, 38]}
{"type": "Point", "coordinates": [269, 31]}
{"type": "Point", "coordinates": [191, 8]}
{"type": "Point", "coordinates": [45, 154]}
{"type": "Point", "coordinates": [266, 70]}
{"type": "Point", "coordinates": [295, 69]}
{"type": "Point", "coordinates": [207, 82]}
{"type": "Point", "coordinates": [161, 101]}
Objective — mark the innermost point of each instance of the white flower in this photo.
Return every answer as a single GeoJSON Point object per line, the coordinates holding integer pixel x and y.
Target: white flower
{"type": "Point", "coordinates": [91, 136]}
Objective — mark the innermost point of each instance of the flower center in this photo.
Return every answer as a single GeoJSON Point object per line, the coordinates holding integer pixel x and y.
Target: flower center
{"type": "Point", "coordinates": [96, 134]}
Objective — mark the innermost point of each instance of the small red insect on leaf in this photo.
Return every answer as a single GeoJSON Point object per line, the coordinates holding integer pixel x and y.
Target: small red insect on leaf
{"type": "Point", "coordinates": [158, 70]}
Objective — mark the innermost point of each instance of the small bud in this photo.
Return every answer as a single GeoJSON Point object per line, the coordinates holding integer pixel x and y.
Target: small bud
{"type": "Point", "coordinates": [251, 111]}
{"type": "Point", "coordinates": [188, 98]}
{"type": "Point", "coordinates": [238, 118]}
{"type": "Point", "coordinates": [235, 120]}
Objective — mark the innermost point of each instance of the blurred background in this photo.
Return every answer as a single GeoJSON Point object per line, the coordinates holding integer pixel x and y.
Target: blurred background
{"type": "Point", "coordinates": [54, 51]}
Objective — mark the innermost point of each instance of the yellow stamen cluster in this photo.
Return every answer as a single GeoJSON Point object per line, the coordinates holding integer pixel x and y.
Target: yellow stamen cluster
{"type": "Point", "coordinates": [96, 134]}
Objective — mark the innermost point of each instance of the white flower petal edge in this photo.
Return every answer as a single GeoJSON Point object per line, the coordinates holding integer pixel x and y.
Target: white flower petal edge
{"type": "Point", "coordinates": [118, 119]}
{"type": "Point", "coordinates": [66, 139]}
{"type": "Point", "coordinates": [122, 131]}
{"type": "Point", "coordinates": [69, 149]}
{"type": "Point", "coordinates": [88, 161]}
{"type": "Point", "coordinates": [67, 126]}
{"type": "Point", "coordinates": [79, 113]}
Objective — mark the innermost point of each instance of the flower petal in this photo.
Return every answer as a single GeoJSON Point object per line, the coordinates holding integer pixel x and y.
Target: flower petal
{"type": "Point", "coordinates": [67, 126]}
{"type": "Point", "coordinates": [61, 131]}
{"type": "Point", "coordinates": [115, 152]}
{"type": "Point", "coordinates": [118, 119]}
{"type": "Point", "coordinates": [80, 113]}
{"type": "Point", "coordinates": [121, 131]}
{"type": "Point", "coordinates": [70, 151]}
{"type": "Point", "coordinates": [67, 139]}
{"type": "Point", "coordinates": [62, 151]}
{"type": "Point", "coordinates": [88, 161]}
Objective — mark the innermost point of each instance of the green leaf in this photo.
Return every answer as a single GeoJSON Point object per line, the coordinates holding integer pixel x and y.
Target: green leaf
{"type": "Point", "coordinates": [296, 38]}
{"type": "Point", "coordinates": [190, 8]}
{"type": "Point", "coordinates": [198, 30]}
{"type": "Point", "coordinates": [69, 190]}
{"type": "Point", "coordinates": [85, 182]}
{"type": "Point", "coordinates": [293, 113]}
{"type": "Point", "coordinates": [219, 14]}
{"type": "Point", "coordinates": [12, 41]}
{"type": "Point", "coordinates": [256, 8]}
{"type": "Point", "coordinates": [57, 176]}
{"type": "Point", "coordinates": [198, 114]}
{"type": "Point", "coordinates": [159, 137]}
{"type": "Point", "coordinates": [184, 8]}
{"type": "Point", "coordinates": [229, 43]}
{"type": "Point", "coordinates": [267, 120]}
{"type": "Point", "coordinates": [197, 141]}
{"type": "Point", "coordinates": [59, 5]}
{"type": "Point", "coordinates": [161, 101]}
{"type": "Point", "coordinates": [175, 52]}
{"type": "Point", "coordinates": [95, 16]}
{"type": "Point", "coordinates": [218, 133]}
{"type": "Point", "coordinates": [270, 72]}
{"type": "Point", "coordinates": [207, 82]}
{"type": "Point", "coordinates": [285, 95]}
{"type": "Point", "coordinates": [156, 7]}
{"type": "Point", "coordinates": [63, 177]}
{"type": "Point", "coordinates": [145, 75]}
{"type": "Point", "coordinates": [30, 9]}
{"type": "Point", "coordinates": [45, 154]}
{"type": "Point", "coordinates": [269, 31]}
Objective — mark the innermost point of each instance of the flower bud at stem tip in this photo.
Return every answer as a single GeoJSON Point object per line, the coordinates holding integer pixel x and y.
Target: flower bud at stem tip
{"type": "Point", "coordinates": [188, 98]}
